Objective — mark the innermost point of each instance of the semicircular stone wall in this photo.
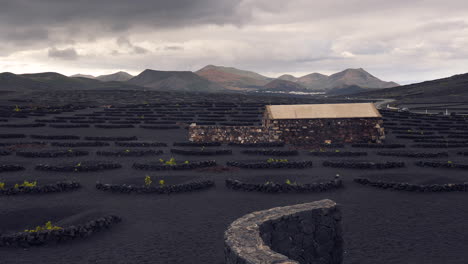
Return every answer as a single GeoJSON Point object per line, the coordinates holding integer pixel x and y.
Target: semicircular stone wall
{"type": "Point", "coordinates": [302, 233]}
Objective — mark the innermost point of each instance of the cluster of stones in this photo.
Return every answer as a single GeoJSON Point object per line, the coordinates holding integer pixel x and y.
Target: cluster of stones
{"type": "Point", "coordinates": [69, 125]}
{"type": "Point", "coordinates": [441, 145]}
{"type": "Point", "coordinates": [140, 144]}
{"type": "Point", "coordinates": [364, 164]}
{"type": "Point", "coordinates": [303, 233]}
{"type": "Point", "coordinates": [23, 143]}
{"type": "Point", "coordinates": [12, 135]}
{"type": "Point", "coordinates": [7, 167]}
{"type": "Point", "coordinates": [80, 144]}
{"type": "Point", "coordinates": [258, 144]}
{"type": "Point", "coordinates": [446, 141]}
{"type": "Point", "coordinates": [419, 137]}
{"type": "Point", "coordinates": [26, 239]}
{"type": "Point", "coordinates": [165, 189]}
{"type": "Point", "coordinates": [283, 187]}
{"type": "Point", "coordinates": [271, 152]}
{"type": "Point", "coordinates": [55, 137]}
{"type": "Point", "coordinates": [449, 187]}
{"type": "Point", "coordinates": [337, 153]}
{"type": "Point", "coordinates": [159, 127]}
{"type": "Point", "coordinates": [130, 153]}
{"type": "Point", "coordinates": [192, 152]}
{"type": "Point", "coordinates": [183, 166]}
{"type": "Point", "coordinates": [196, 144]}
{"type": "Point", "coordinates": [114, 126]}
{"type": "Point", "coordinates": [413, 154]}
{"type": "Point", "coordinates": [436, 164]}
{"type": "Point", "coordinates": [23, 125]}
{"type": "Point", "coordinates": [52, 154]}
{"type": "Point", "coordinates": [271, 165]}
{"type": "Point", "coordinates": [412, 132]}
{"type": "Point", "coordinates": [80, 167]}
{"type": "Point", "coordinates": [47, 188]}
{"type": "Point", "coordinates": [111, 138]}
{"type": "Point", "coordinates": [4, 152]}
{"type": "Point", "coordinates": [367, 145]}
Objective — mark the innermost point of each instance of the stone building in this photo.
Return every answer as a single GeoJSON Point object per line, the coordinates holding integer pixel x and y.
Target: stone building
{"type": "Point", "coordinates": [325, 123]}
{"type": "Point", "coordinates": [310, 124]}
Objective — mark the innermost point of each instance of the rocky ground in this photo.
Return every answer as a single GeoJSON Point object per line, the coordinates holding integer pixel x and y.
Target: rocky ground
{"type": "Point", "coordinates": [380, 225]}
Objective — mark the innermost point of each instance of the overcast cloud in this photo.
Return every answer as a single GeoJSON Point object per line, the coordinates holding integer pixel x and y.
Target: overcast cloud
{"type": "Point", "coordinates": [400, 40]}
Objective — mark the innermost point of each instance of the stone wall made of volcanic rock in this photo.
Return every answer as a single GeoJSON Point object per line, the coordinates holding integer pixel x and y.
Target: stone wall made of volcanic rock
{"type": "Point", "coordinates": [228, 134]}
{"type": "Point", "coordinates": [318, 131]}
{"type": "Point", "coordinates": [303, 233]}
{"type": "Point", "coordinates": [294, 131]}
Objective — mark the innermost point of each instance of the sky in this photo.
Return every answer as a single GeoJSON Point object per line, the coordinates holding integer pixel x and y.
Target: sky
{"type": "Point", "coordinates": [404, 41]}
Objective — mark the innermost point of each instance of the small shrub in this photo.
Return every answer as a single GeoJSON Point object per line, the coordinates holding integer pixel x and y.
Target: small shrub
{"type": "Point", "coordinates": [171, 162]}
{"type": "Point", "coordinates": [148, 181]}
{"type": "Point", "coordinates": [161, 182]}
{"type": "Point", "coordinates": [2, 185]}
{"type": "Point", "coordinates": [47, 226]}
{"type": "Point", "coordinates": [271, 160]}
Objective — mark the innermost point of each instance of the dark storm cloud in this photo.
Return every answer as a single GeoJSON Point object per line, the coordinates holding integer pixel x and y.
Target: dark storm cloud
{"type": "Point", "coordinates": [392, 38]}
{"type": "Point", "coordinates": [118, 15]}
{"type": "Point", "coordinates": [63, 54]}
{"type": "Point", "coordinates": [126, 43]}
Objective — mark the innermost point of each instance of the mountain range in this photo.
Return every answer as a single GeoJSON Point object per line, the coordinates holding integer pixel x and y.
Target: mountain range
{"type": "Point", "coordinates": [210, 78]}
{"type": "Point", "coordinates": [114, 77]}
{"type": "Point", "coordinates": [349, 77]}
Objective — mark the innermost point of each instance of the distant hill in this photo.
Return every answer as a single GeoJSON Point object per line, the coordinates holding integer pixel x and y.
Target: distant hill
{"type": "Point", "coordinates": [83, 76]}
{"type": "Point", "coordinates": [288, 77]}
{"type": "Point", "coordinates": [283, 86]}
{"type": "Point", "coordinates": [348, 90]}
{"type": "Point", "coordinates": [347, 78]}
{"type": "Point", "coordinates": [54, 81]}
{"type": "Point", "coordinates": [12, 82]}
{"type": "Point", "coordinates": [358, 77]}
{"type": "Point", "coordinates": [115, 77]}
{"type": "Point", "coordinates": [441, 89]}
{"type": "Point", "coordinates": [174, 81]}
{"type": "Point", "coordinates": [232, 78]}
{"type": "Point", "coordinates": [314, 81]}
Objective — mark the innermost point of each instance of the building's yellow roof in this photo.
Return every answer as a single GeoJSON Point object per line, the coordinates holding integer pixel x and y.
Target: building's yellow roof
{"type": "Point", "coordinates": [312, 111]}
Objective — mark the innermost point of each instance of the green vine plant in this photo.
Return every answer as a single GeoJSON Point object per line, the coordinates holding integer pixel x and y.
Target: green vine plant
{"type": "Point", "coordinates": [271, 160]}
{"type": "Point", "coordinates": [148, 181]}
{"type": "Point", "coordinates": [26, 184]}
{"type": "Point", "coordinates": [2, 185]}
{"type": "Point", "coordinates": [17, 109]}
{"type": "Point", "coordinates": [171, 162]}
{"type": "Point", "coordinates": [288, 182]}
{"type": "Point", "coordinates": [47, 226]}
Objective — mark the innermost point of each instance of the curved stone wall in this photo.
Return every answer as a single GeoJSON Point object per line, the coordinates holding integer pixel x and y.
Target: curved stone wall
{"type": "Point", "coordinates": [302, 233]}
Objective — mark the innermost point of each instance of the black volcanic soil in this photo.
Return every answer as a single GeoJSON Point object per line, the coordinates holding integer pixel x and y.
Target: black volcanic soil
{"type": "Point", "coordinates": [380, 226]}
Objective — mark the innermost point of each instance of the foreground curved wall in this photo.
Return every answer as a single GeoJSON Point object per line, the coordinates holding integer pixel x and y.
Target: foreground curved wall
{"type": "Point", "coordinates": [303, 233]}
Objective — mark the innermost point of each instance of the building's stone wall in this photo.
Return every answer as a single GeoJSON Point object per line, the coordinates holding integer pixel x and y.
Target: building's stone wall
{"type": "Point", "coordinates": [231, 134]}
{"type": "Point", "coordinates": [318, 131]}
{"type": "Point", "coordinates": [295, 131]}
{"type": "Point", "coordinates": [303, 233]}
